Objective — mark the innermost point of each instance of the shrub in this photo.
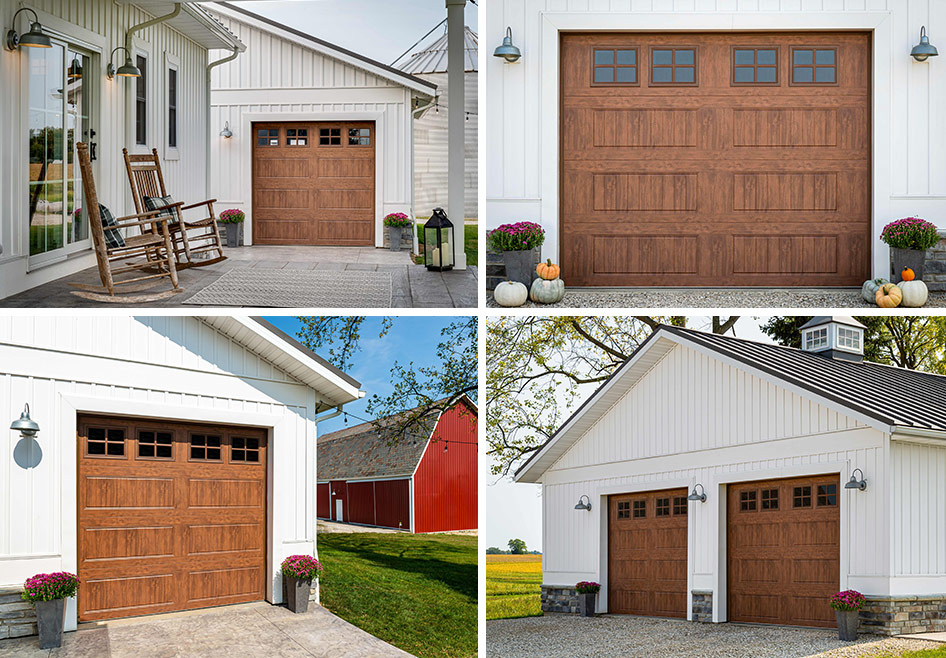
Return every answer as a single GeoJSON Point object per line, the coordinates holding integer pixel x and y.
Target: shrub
{"type": "Point", "coordinates": [910, 233]}
{"type": "Point", "coordinates": [588, 587]}
{"type": "Point", "coordinates": [50, 586]}
{"type": "Point", "coordinates": [520, 236]}
{"type": "Point", "coordinates": [301, 567]}
{"type": "Point", "coordinates": [397, 220]}
{"type": "Point", "coordinates": [848, 600]}
{"type": "Point", "coordinates": [232, 216]}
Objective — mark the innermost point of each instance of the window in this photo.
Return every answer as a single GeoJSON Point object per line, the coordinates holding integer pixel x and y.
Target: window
{"type": "Point", "coordinates": [141, 101]}
{"type": "Point", "coordinates": [105, 442]}
{"type": "Point", "coordinates": [624, 510]}
{"type": "Point", "coordinates": [154, 445]}
{"type": "Point", "coordinates": [267, 137]}
{"type": "Point", "coordinates": [816, 338]}
{"type": "Point", "coordinates": [814, 66]}
{"type": "Point", "coordinates": [747, 501]}
{"type": "Point", "coordinates": [827, 495]}
{"type": "Point", "coordinates": [330, 136]}
{"type": "Point", "coordinates": [673, 66]}
{"type": "Point", "coordinates": [755, 66]}
{"type": "Point", "coordinates": [769, 499]}
{"type": "Point", "coordinates": [359, 136]}
{"type": "Point", "coordinates": [205, 447]}
{"type": "Point", "coordinates": [172, 108]}
{"type": "Point", "coordinates": [663, 507]}
{"type": "Point", "coordinates": [244, 450]}
{"type": "Point", "coordinates": [849, 338]}
{"type": "Point", "coordinates": [680, 506]}
{"type": "Point", "coordinates": [640, 509]}
{"type": "Point", "coordinates": [801, 497]}
{"type": "Point", "coordinates": [297, 136]}
{"type": "Point", "coordinates": [614, 66]}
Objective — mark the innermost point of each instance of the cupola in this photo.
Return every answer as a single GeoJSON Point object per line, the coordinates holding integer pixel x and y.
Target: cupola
{"type": "Point", "coordinates": [834, 336]}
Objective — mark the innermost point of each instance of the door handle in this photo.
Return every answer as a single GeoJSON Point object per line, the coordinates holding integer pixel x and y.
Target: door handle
{"type": "Point", "coordinates": [92, 151]}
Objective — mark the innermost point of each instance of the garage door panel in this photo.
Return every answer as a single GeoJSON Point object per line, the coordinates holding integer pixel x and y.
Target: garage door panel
{"type": "Point", "coordinates": [224, 538]}
{"type": "Point", "coordinates": [106, 543]}
{"type": "Point", "coordinates": [218, 586]}
{"type": "Point", "coordinates": [282, 168]}
{"type": "Point", "coordinates": [282, 231]}
{"type": "Point", "coordinates": [120, 492]}
{"type": "Point", "coordinates": [219, 493]}
{"type": "Point", "coordinates": [125, 596]}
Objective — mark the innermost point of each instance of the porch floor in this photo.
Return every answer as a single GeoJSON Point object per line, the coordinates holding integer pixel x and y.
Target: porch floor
{"type": "Point", "coordinates": [413, 285]}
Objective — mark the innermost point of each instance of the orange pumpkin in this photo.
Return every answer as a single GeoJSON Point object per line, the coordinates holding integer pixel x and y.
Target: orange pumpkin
{"type": "Point", "coordinates": [888, 296]}
{"type": "Point", "coordinates": [907, 274]}
{"type": "Point", "coordinates": [548, 271]}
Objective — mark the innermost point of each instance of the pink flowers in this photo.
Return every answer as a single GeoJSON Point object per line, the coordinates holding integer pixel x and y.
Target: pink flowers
{"type": "Point", "coordinates": [50, 586]}
{"type": "Point", "coordinates": [397, 220]}
{"type": "Point", "coordinates": [520, 236]}
{"type": "Point", "coordinates": [588, 587]}
{"type": "Point", "coordinates": [848, 600]}
{"type": "Point", "coordinates": [910, 233]}
{"type": "Point", "coordinates": [232, 216]}
{"type": "Point", "coordinates": [301, 567]}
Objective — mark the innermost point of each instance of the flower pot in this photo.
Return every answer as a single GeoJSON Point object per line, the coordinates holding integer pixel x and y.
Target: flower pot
{"type": "Point", "coordinates": [520, 266]}
{"type": "Point", "coordinates": [50, 618]}
{"type": "Point", "coordinates": [847, 624]}
{"type": "Point", "coordinates": [586, 604]}
{"type": "Point", "coordinates": [900, 258]}
{"type": "Point", "coordinates": [297, 593]}
{"type": "Point", "coordinates": [394, 237]}
{"type": "Point", "coordinates": [234, 234]}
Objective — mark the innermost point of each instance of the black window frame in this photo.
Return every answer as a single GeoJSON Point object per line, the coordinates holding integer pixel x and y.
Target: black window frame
{"type": "Point", "coordinates": [141, 100]}
{"type": "Point", "coordinates": [172, 106]}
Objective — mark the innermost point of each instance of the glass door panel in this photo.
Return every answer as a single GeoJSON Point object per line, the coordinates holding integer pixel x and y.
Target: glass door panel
{"type": "Point", "coordinates": [77, 130]}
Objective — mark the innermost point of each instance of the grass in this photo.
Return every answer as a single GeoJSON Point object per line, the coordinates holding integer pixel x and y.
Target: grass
{"type": "Point", "coordinates": [925, 653]}
{"type": "Point", "coordinates": [470, 243]}
{"type": "Point", "coordinates": [513, 586]}
{"type": "Point", "coordinates": [417, 592]}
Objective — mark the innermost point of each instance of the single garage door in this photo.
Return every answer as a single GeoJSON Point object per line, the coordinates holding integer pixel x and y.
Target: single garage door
{"type": "Point", "coordinates": [313, 183]}
{"type": "Point", "coordinates": [715, 159]}
{"type": "Point", "coordinates": [171, 516]}
{"type": "Point", "coordinates": [784, 551]}
{"type": "Point", "coordinates": [647, 553]}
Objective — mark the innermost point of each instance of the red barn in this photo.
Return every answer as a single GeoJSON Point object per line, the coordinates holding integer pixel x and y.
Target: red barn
{"type": "Point", "coordinates": [421, 484]}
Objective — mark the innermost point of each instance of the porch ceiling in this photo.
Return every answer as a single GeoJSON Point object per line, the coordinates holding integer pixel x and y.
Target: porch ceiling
{"type": "Point", "coordinates": [195, 23]}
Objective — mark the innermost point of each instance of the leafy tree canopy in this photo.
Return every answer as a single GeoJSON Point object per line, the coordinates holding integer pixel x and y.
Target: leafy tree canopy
{"type": "Point", "coordinates": [517, 547]}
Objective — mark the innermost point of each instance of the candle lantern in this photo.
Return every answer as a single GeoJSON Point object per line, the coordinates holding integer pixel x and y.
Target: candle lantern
{"type": "Point", "coordinates": [438, 242]}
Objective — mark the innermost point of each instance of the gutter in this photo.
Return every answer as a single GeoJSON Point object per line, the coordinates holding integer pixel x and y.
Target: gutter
{"type": "Point", "coordinates": [917, 434]}
{"type": "Point", "coordinates": [229, 58]}
{"type": "Point", "coordinates": [147, 24]}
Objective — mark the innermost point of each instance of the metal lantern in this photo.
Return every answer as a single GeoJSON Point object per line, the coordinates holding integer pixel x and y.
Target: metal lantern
{"type": "Point", "coordinates": [508, 51]}
{"type": "Point", "coordinates": [32, 39]}
{"type": "Point", "coordinates": [584, 503]}
{"type": "Point", "coordinates": [75, 69]}
{"type": "Point", "coordinates": [26, 426]}
{"type": "Point", "coordinates": [923, 50]}
{"type": "Point", "coordinates": [438, 242]}
{"type": "Point", "coordinates": [126, 70]}
{"type": "Point", "coordinates": [854, 483]}
{"type": "Point", "coordinates": [698, 496]}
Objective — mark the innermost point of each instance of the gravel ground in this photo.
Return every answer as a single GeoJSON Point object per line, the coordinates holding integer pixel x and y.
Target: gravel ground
{"type": "Point", "coordinates": [716, 298]}
{"type": "Point", "coordinates": [639, 637]}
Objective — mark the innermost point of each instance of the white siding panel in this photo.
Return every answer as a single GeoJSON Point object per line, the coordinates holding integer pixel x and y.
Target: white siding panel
{"type": "Point", "coordinates": [919, 503]}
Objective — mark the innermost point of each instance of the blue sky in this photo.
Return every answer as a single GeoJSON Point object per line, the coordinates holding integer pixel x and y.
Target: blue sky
{"type": "Point", "coordinates": [410, 339]}
{"type": "Point", "coordinates": [379, 29]}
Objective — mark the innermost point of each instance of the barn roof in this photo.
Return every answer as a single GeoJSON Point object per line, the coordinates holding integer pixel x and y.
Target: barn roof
{"type": "Point", "coordinates": [433, 58]}
{"type": "Point", "coordinates": [885, 397]}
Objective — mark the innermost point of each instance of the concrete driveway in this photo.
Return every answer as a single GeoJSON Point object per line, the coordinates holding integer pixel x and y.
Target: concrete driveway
{"type": "Point", "coordinates": [252, 630]}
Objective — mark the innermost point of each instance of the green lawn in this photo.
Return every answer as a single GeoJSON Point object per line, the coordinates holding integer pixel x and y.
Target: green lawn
{"type": "Point", "coordinates": [470, 243]}
{"type": "Point", "coordinates": [513, 586]}
{"type": "Point", "coordinates": [417, 592]}
{"type": "Point", "coordinates": [925, 653]}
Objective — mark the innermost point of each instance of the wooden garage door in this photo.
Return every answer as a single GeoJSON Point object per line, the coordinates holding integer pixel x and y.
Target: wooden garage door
{"type": "Point", "coordinates": [784, 551]}
{"type": "Point", "coordinates": [715, 159]}
{"type": "Point", "coordinates": [313, 183]}
{"type": "Point", "coordinates": [647, 553]}
{"type": "Point", "coordinates": [171, 516]}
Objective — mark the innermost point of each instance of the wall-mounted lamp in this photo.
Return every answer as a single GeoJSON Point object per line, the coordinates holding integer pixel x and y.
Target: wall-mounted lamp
{"type": "Point", "coordinates": [32, 39]}
{"type": "Point", "coordinates": [26, 426]}
{"type": "Point", "coordinates": [225, 133]}
{"type": "Point", "coordinates": [701, 496]}
{"type": "Point", "coordinates": [126, 70]}
{"type": "Point", "coordinates": [75, 69]}
{"type": "Point", "coordinates": [854, 483]}
{"type": "Point", "coordinates": [584, 503]}
{"type": "Point", "coordinates": [923, 50]}
{"type": "Point", "coordinates": [508, 51]}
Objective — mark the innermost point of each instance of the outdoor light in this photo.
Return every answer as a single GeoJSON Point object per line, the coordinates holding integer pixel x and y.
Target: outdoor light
{"type": "Point", "coordinates": [226, 131]}
{"type": "Point", "coordinates": [438, 242]}
{"type": "Point", "coordinates": [584, 503]}
{"type": "Point", "coordinates": [698, 496]}
{"type": "Point", "coordinates": [854, 483]}
{"type": "Point", "coordinates": [923, 50]}
{"type": "Point", "coordinates": [75, 69]}
{"type": "Point", "coordinates": [126, 70]}
{"type": "Point", "coordinates": [508, 51]}
{"type": "Point", "coordinates": [26, 426]}
{"type": "Point", "coordinates": [32, 39]}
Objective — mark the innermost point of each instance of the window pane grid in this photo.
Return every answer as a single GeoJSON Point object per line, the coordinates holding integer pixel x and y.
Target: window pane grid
{"type": "Point", "coordinates": [297, 136]}
{"type": "Point", "coordinates": [330, 136]}
{"type": "Point", "coordinates": [640, 509]}
{"type": "Point", "coordinates": [106, 442]}
{"type": "Point", "coordinates": [673, 66]}
{"type": "Point", "coordinates": [267, 137]}
{"type": "Point", "coordinates": [663, 507]}
{"type": "Point", "coordinates": [614, 66]}
{"type": "Point", "coordinates": [769, 499]}
{"type": "Point", "coordinates": [801, 497]}
{"type": "Point", "coordinates": [624, 510]}
{"type": "Point", "coordinates": [827, 495]}
{"type": "Point", "coordinates": [814, 66]}
{"type": "Point", "coordinates": [680, 506]}
{"type": "Point", "coordinates": [244, 450]}
{"type": "Point", "coordinates": [747, 501]}
{"type": "Point", "coordinates": [157, 445]}
{"type": "Point", "coordinates": [205, 447]}
{"type": "Point", "coordinates": [755, 66]}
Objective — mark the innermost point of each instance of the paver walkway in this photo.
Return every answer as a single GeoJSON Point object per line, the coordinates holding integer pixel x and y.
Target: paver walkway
{"type": "Point", "coordinates": [252, 630]}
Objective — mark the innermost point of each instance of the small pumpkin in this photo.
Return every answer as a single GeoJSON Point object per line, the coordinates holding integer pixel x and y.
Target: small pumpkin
{"type": "Point", "coordinates": [547, 270]}
{"type": "Point", "coordinates": [510, 293]}
{"type": "Point", "coordinates": [907, 274]}
{"type": "Point", "coordinates": [888, 296]}
{"type": "Point", "coordinates": [545, 291]}
{"type": "Point", "coordinates": [915, 293]}
{"type": "Point", "coordinates": [869, 289]}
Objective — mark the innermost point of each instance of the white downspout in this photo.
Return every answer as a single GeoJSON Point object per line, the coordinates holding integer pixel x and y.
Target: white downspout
{"type": "Point", "coordinates": [147, 24]}
{"type": "Point", "coordinates": [229, 58]}
{"type": "Point", "coordinates": [456, 129]}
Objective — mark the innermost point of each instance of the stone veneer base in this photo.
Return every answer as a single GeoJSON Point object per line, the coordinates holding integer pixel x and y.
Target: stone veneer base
{"type": "Point", "coordinates": [17, 617]}
{"type": "Point", "coordinates": [559, 599]}
{"type": "Point", "coordinates": [702, 607]}
{"type": "Point", "coordinates": [903, 615]}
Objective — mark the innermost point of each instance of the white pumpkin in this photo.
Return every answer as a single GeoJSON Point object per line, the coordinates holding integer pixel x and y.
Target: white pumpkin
{"type": "Point", "coordinates": [869, 289]}
{"type": "Point", "coordinates": [511, 293]}
{"type": "Point", "coordinates": [915, 293]}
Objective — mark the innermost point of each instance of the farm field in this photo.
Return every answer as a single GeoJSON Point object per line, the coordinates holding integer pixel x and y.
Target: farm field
{"type": "Point", "coordinates": [513, 586]}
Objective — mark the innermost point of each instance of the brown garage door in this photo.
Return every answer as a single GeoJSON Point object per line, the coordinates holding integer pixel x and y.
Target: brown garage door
{"type": "Point", "coordinates": [171, 516]}
{"type": "Point", "coordinates": [313, 183]}
{"type": "Point", "coordinates": [784, 551]}
{"type": "Point", "coordinates": [647, 553]}
{"type": "Point", "coordinates": [715, 159]}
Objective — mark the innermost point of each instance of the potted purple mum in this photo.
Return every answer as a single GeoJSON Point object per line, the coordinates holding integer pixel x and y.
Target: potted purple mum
{"type": "Point", "coordinates": [846, 605]}
{"type": "Point", "coordinates": [298, 571]}
{"type": "Point", "coordinates": [396, 223]}
{"type": "Point", "coordinates": [48, 593]}
{"type": "Point", "coordinates": [587, 592]}
{"type": "Point", "coordinates": [909, 238]}
{"type": "Point", "coordinates": [519, 244]}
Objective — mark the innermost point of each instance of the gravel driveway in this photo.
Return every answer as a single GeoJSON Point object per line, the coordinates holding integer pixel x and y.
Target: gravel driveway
{"type": "Point", "coordinates": [632, 637]}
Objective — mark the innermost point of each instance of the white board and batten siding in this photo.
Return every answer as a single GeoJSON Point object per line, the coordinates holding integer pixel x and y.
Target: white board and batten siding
{"type": "Point", "coordinates": [161, 367]}
{"type": "Point", "coordinates": [521, 119]}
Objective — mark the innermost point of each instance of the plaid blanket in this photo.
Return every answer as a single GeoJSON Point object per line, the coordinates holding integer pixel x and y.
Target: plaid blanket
{"type": "Point", "coordinates": [113, 237]}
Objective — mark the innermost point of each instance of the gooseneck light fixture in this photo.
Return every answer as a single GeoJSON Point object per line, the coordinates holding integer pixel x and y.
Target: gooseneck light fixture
{"type": "Point", "coordinates": [584, 503]}
{"type": "Point", "coordinates": [226, 133]}
{"type": "Point", "coordinates": [701, 496]}
{"type": "Point", "coordinates": [508, 51]}
{"type": "Point", "coordinates": [26, 426]}
{"type": "Point", "coordinates": [126, 70]}
{"type": "Point", "coordinates": [854, 483]}
{"type": "Point", "coordinates": [923, 50]}
{"type": "Point", "coordinates": [32, 39]}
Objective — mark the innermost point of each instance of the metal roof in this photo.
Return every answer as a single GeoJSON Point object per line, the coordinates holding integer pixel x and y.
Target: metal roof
{"type": "Point", "coordinates": [433, 59]}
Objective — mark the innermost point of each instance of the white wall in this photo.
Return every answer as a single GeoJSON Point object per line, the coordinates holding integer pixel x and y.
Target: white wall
{"type": "Point", "coordinates": [99, 25]}
{"type": "Point", "coordinates": [910, 136]}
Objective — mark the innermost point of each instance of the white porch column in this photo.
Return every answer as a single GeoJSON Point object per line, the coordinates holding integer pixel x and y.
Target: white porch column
{"type": "Point", "coordinates": [455, 127]}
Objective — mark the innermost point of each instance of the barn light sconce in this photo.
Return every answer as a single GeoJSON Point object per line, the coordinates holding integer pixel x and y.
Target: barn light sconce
{"type": "Point", "coordinates": [126, 70]}
{"type": "Point", "coordinates": [75, 69]}
{"type": "Point", "coordinates": [584, 503]}
{"type": "Point", "coordinates": [854, 483]}
{"type": "Point", "coordinates": [507, 51]}
{"type": "Point", "coordinates": [226, 133]}
{"type": "Point", "coordinates": [923, 50]}
{"type": "Point", "coordinates": [698, 496]}
{"type": "Point", "coordinates": [26, 426]}
{"type": "Point", "coordinates": [32, 39]}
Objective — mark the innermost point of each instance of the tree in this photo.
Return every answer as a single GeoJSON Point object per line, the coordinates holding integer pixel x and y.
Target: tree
{"type": "Point", "coordinates": [517, 547]}
{"type": "Point", "coordinates": [494, 550]}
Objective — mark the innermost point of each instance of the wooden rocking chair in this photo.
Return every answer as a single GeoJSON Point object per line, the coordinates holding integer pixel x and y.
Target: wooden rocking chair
{"type": "Point", "coordinates": [153, 243]}
{"type": "Point", "coordinates": [190, 238]}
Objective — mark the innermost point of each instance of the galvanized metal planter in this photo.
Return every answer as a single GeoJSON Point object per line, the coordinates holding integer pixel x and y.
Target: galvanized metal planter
{"type": "Point", "coordinates": [50, 619]}
{"type": "Point", "coordinates": [234, 233]}
{"type": "Point", "coordinates": [847, 624]}
{"type": "Point", "coordinates": [394, 237]}
{"type": "Point", "coordinates": [297, 593]}
{"type": "Point", "coordinates": [912, 258]}
{"type": "Point", "coordinates": [520, 266]}
{"type": "Point", "coordinates": [586, 604]}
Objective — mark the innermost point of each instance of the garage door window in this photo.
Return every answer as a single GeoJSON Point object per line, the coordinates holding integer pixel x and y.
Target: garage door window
{"type": "Point", "coordinates": [155, 445]}
{"type": "Point", "coordinates": [297, 137]}
{"type": "Point", "coordinates": [747, 501]}
{"type": "Point", "coordinates": [359, 136]}
{"type": "Point", "coordinates": [205, 447]}
{"type": "Point", "coordinates": [801, 497]}
{"type": "Point", "coordinates": [680, 506]}
{"type": "Point", "coordinates": [814, 66]}
{"type": "Point", "coordinates": [673, 66]}
{"type": "Point", "coordinates": [640, 509]}
{"type": "Point", "coordinates": [754, 66]}
{"type": "Point", "coordinates": [613, 66]}
{"type": "Point", "coordinates": [105, 442]}
{"type": "Point", "coordinates": [244, 450]}
{"type": "Point", "coordinates": [624, 510]}
{"type": "Point", "coordinates": [267, 137]}
{"type": "Point", "coordinates": [769, 499]}
{"type": "Point", "coordinates": [827, 495]}
{"type": "Point", "coordinates": [330, 137]}
{"type": "Point", "coordinates": [663, 507]}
